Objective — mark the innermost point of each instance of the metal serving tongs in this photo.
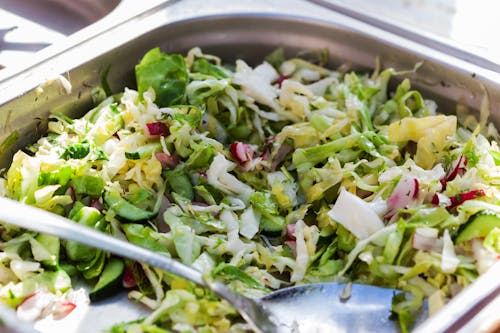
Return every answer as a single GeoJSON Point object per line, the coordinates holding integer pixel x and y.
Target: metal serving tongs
{"type": "Point", "coordinates": [320, 307]}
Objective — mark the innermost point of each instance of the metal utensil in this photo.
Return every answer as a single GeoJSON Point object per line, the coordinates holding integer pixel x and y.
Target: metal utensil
{"type": "Point", "coordinates": [308, 308]}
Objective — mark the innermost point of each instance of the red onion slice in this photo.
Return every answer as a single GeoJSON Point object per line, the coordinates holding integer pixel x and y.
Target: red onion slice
{"type": "Point", "coordinates": [157, 129]}
{"type": "Point", "coordinates": [459, 199]}
{"type": "Point", "coordinates": [128, 279]}
{"type": "Point", "coordinates": [457, 169]}
{"type": "Point", "coordinates": [167, 161]}
{"type": "Point", "coordinates": [290, 232]}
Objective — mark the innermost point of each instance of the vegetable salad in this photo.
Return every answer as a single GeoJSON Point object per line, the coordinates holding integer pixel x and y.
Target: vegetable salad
{"type": "Point", "coordinates": [262, 177]}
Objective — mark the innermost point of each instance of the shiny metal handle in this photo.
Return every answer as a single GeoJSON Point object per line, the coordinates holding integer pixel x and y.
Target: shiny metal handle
{"type": "Point", "coordinates": [466, 304]}
{"type": "Point", "coordinates": [32, 218]}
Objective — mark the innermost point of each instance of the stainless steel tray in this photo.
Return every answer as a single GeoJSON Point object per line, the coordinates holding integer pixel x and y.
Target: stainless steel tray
{"type": "Point", "coordinates": [243, 29]}
{"type": "Point", "coordinates": [34, 30]}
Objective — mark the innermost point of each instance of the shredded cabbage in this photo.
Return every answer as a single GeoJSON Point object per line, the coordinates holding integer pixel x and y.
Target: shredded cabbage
{"type": "Point", "coordinates": [265, 177]}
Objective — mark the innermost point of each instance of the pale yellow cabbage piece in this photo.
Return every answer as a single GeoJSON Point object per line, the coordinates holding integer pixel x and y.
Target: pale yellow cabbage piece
{"type": "Point", "coordinates": [429, 133]}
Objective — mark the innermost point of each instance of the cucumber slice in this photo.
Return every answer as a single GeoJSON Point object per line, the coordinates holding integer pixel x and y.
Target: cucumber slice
{"type": "Point", "coordinates": [110, 280]}
{"type": "Point", "coordinates": [479, 225]}
{"type": "Point", "coordinates": [143, 151]}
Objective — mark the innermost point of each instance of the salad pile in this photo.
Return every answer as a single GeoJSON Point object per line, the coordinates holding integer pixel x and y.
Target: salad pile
{"type": "Point", "coordinates": [286, 173]}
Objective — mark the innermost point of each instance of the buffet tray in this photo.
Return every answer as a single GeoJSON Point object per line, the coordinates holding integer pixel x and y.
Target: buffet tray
{"type": "Point", "coordinates": [240, 29]}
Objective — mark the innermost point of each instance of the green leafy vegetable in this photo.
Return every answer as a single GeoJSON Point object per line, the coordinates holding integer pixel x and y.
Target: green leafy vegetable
{"type": "Point", "coordinates": [166, 74]}
{"type": "Point", "coordinates": [203, 66]}
{"type": "Point", "coordinates": [124, 208]}
{"type": "Point", "coordinates": [89, 185]}
{"type": "Point", "coordinates": [76, 151]}
{"type": "Point", "coordinates": [272, 220]}
{"type": "Point", "coordinates": [60, 176]}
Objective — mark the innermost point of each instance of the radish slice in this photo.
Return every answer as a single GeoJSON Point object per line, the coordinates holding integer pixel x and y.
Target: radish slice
{"type": "Point", "coordinates": [62, 309]}
{"type": "Point", "coordinates": [405, 192]}
{"type": "Point", "coordinates": [43, 303]}
{"type": "Point", "coordinates": [415, 188]}
{"type": "Point", "coordinates": [36, 305]}
{"type": "Point", "coordinates": [458, 168]}
{"type": "Point", "coordinates": [242, 152]}
{"type": "Point", "coordinates": [435, 199]}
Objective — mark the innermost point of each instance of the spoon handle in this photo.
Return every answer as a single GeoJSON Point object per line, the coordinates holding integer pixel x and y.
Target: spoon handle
{"type": "Point", "coordinates": [36, 219]}
{"type": "Point", "coordinates": [467, 304]}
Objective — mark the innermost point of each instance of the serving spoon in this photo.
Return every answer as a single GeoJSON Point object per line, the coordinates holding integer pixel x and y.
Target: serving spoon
{"type": "Point", "coordinates": [323, 307]}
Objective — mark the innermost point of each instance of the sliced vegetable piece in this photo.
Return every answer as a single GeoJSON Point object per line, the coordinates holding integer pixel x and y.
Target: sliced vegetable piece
{"type": "Point", "coordinates": [305, 158]}
{"type": "Point", "coordinates": [62, 308]}
{"type": "Point", "coordinates": [34, 306]}
{"type": "Point", "coordinates": [205, 67]}
{"type": "Point", "coordinates": [167, 161]}
{"type": "Point", "coordinates": [180, 183]}
{"type": "Point", "coordinates": [242, 152]}
{"type": "Point", "coordinates": [355, 215]}
{"type": "Point", "coordinates": [478, 225]}
{"type": "Point", "coordinates": [89, 217]}
{"type": "Point", "coordinates": [128, 279]}
{"type": "Point", "coordinates": [404, 193]}
{"type": "Point", "coordinates": [459, 199]}
{"type": "Point", "coordinates": [230, 272]}
{"type": "Point", "coordinates": [202, 156]}
{"type": "Point", "coordinates": [107, 120]}
{"type": "Point", "coordinates": [76, 151]}
{"type": "Point", "coordinates": [166, 74]}
{"type": "Point", "coordinates": [145, 236]}
{"type": "Point", "coordinates": [94, 267]}
{"type": "Point", "coordinates": [89, 185]}
{"type": "Point", "coordinates": [110, 280]}
{"type": "Point", "coordinates": [143, 151]}
{"type": "Point", "coordinates": [428, 132]}
{"type": "Point", "coordinates": [125, 209]}
{"type": "Point", "coordinates": [52, 245]}
{"type": "Point", "coordinates": [60, 176]}
{"type": "Point", "coordinates": [157, 128]}
{"type": "Point", "coordinates": [263, 202]}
